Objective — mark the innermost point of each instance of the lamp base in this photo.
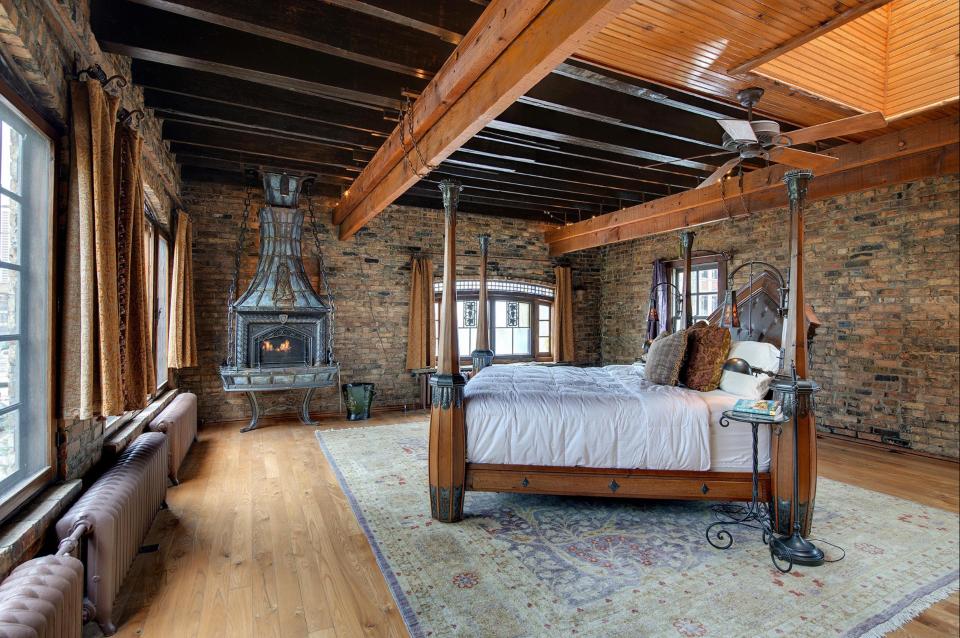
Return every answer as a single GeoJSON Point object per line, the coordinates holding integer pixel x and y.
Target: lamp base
{"type": "Point", "coordinates": [797, 550]}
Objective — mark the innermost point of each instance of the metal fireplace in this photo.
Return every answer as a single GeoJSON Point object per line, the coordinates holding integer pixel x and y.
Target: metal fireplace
{"type": "Point", "coordinates": [279, 329]}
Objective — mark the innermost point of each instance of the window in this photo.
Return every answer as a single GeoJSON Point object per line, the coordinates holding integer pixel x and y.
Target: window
{"type": "Point", "coordinates": [707, 278]}
{"type": "Point", "coordinates": [26, 307]}
{"type": "Point", "coordinates": [520, 316]}
{"type": "Point", "coordinates": [161, 303]}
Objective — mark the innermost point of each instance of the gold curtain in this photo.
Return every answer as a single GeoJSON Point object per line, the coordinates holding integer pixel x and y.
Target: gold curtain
{"type": "Point", "coordinates": [421, 331]}
{"type": "Point", "coordinates": [562, 328]}
{"type": "Point", "coordinates": [136, 351]}
{"type": "Point", "coordinates": [91, 378]}
{"type": "Point", "coordinates": [182, 349]}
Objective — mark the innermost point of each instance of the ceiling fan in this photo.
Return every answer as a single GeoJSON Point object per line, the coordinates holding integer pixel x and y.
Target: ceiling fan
{"type": "Point", "coordinates": [763, 139]}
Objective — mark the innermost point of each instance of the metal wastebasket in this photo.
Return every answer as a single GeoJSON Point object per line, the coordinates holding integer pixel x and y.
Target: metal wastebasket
{"type": "Point", "coordinates": [358, 398]}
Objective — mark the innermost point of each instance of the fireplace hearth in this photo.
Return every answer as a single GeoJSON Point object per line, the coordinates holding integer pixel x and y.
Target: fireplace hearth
{"type": "Point", "coordinates": [280, 326]}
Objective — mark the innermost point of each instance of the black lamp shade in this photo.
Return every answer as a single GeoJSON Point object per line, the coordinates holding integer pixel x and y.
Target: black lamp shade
{"type": "Point", "coordinates": [731, 316]}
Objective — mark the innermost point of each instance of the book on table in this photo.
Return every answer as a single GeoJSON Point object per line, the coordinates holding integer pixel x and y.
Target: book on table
{"type": "Point", "coordinates": [771, 409]}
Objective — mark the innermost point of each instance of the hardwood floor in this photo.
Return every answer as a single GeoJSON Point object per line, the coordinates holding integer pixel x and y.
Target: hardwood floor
{"type": "Point", "coordinates": [260, 541]}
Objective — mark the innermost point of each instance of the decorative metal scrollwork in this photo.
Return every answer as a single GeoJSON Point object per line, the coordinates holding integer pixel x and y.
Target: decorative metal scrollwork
{"type": "Point", "coordinates": [513, 314]}
{"type": "Point", "coordinates": [469, 314]}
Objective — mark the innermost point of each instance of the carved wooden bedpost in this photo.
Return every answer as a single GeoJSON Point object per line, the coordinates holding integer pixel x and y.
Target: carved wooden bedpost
{"type": "Point", "coordinates": [447, 452]}
{"type": "Point", "coordinates": [482, 354]}
{"type": "Point", "coordinates": [686, 244]}
{"type": "Point", "coordinates": [797, 396]}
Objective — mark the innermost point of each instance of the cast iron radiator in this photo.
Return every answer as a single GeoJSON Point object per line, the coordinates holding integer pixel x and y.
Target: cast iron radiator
{"type": "Point", "coordinates": [43, 598]}
{"type": "Point", "coordinates": [179, 422]}
{"type": "Point", "coordinates": [113, 518]}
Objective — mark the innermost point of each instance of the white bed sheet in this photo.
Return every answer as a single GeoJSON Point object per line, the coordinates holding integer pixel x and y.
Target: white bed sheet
{"type": "Point", "coordinates": [601, 417]}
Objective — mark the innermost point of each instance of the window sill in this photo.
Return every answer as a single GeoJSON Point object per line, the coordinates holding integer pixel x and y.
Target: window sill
{"type": "Point", "coordinates": [22, 536]}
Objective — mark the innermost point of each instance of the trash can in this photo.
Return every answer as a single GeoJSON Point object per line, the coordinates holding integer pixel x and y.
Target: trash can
{"type": "Point", "coordinates": [359, 398]}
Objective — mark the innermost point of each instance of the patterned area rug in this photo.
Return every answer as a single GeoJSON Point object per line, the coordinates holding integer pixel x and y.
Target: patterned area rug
{"type": "Point", "coordinates": [553, 566]}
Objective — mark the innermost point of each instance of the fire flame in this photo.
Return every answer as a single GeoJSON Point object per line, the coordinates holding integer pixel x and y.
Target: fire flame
{"type": "Point", "coordinates": [283, 347]}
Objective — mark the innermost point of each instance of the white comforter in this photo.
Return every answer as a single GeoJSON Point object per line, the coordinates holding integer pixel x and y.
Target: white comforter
{"type": "Point", "coordinates": [591, 417]}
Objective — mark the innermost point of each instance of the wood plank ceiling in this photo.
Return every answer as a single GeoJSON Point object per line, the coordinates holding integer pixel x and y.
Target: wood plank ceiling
{"type": "Point", "coordinates": [317, 86]}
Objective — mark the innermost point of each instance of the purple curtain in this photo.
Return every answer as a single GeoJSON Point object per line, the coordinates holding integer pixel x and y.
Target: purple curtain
{"type": "Point", "coordinates": [659, 276]}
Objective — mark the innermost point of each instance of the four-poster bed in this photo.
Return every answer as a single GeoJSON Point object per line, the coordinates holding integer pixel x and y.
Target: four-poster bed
{"type": "Point", "coordinates": [452, 472]}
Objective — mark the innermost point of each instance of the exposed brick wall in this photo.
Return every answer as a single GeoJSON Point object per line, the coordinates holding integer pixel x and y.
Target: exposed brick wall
{"type": "Point", "coordinates": [369, 277]}
{"type": "Point", "coordinates": [882, 275]}
{"type": "Point", "coordinates": [39, 41]}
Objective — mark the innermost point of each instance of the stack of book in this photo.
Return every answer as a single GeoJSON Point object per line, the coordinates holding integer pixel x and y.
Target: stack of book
{"type": "Point", "coordinates": [750, 407]}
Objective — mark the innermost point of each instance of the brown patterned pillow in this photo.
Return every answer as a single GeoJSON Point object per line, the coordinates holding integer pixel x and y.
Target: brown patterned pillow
{"type": "Point", "coordinates": [707, 348]}
{"type": "Point", "coordinates": [665, 358]}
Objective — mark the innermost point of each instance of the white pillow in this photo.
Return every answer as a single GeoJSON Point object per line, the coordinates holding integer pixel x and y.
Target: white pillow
{"type": "Point", "coordinates": [748, 386]}
{"type": "Point", "coordinates": [759, 354]}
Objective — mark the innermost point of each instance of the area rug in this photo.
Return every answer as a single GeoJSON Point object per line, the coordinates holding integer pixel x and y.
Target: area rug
{"type": "Point", "coordinates": [524, 565]}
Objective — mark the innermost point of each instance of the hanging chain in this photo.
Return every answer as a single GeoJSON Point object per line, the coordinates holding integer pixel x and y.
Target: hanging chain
{"type": "Point", "coordinates": [324, 279]}
{"type": "Point", "coordinates": [231, 357]}
{"type": "Point", "coordinates": [405, 124]}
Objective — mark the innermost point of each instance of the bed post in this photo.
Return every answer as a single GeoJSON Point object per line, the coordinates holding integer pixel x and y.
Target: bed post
{"type": "Point", "coordinates": [447, 449]}
{"type": "Point", "coordinates": [795, 396]}
{"type": "Point", "coordinates": [482, 354]}
{"type": "Point", "coordinates": [686, 245]}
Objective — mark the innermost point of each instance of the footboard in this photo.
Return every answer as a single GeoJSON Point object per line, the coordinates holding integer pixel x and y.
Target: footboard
{"type": "Point", "coordinates": [587, 481]}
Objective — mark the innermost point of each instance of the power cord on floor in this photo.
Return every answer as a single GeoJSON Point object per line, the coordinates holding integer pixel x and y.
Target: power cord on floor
{"type": "Point", "coordinates": [843, 552]}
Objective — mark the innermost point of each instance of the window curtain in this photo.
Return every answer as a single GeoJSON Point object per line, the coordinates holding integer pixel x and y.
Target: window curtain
{"type": "Point", "coordinates": [421, 331]}
{"type": "Point", "coordinates": [662, 295]}
{"type": "Point", "coordinates": [562, 327]}
{"type": "Point", "coordinates": [90, 372]}
{"type": "Point", "coordinates": [182, 340]}
{"type": "Point", "coordinates": [136, 350]}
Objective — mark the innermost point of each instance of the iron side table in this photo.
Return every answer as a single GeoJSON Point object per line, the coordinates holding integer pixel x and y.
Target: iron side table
{"type": "Point", "coordinates": [755, 515]}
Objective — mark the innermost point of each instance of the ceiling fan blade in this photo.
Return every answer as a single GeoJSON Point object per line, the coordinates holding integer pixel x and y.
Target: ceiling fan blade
{"type": "Point", "coordinates": [837, 128]}
{"type": "Point", "coordinates": [738, 130]}
{"type": "Point", "coordinates": [801, 159]}
{"type": "Point", "coordinates": [720, 173]}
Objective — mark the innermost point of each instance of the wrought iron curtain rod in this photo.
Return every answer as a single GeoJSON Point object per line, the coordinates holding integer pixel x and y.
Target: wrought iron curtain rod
{"type": "Point", "coordinates": [97, 73]}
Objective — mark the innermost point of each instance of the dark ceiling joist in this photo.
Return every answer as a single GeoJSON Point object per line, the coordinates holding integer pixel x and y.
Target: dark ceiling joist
{"type": "Point", "coordinates": [447, 21]}
{"type": "Point", "coordinates": [318, 26]}
{"type": "Point", "coordinates": [146, 33]}
{"type": "Point", "coordinates": [552, 125]}
{"type": "Point", "coordinates": [241, 168]}
{"type": "Point", "coordinates": [600, 104]}
{"type": "Point", "coordinates": [254, 143]}
{"type": "Point", "coordinates": [203, 174]}
{"type": "Point", "coordinates": [257, 97]}
{"type": "Point", "coordinates": [187, 153]}
{"type": "Point", "coordinates": [423, 200]}
{"type": "Point", "coordinates": [179, 107]}
{"type": "Point", "coordinates": [679, 100]}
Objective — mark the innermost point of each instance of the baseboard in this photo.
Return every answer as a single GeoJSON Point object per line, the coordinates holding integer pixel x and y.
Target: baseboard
{"type": "Point", "coordinates": [886, 447]}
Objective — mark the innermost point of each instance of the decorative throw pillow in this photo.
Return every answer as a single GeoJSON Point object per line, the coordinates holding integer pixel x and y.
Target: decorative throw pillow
{"type": "Point", "coordinates": [707, 348]}
{"type": "Point", "coordinates": [750, 386]}
{"type": "Point", "coordinates": [665, 358]}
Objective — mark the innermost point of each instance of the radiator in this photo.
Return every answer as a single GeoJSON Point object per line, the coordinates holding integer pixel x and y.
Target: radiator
{"type": "Point", "coordinates": [179, 422]}
{"type": "Point", "coordinates": [109, 522]}
{"type": "Point", "coordinates": [43, 598]}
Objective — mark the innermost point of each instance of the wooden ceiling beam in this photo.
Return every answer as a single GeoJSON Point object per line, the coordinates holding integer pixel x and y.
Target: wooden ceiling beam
{"type": "Point", "coordinates": [318, 26]}
{"type": "Point", "coordinates": [496, 28]}
{"type": "Point", "coordinates": [160, 36]}
{"type": "Point", "coordinates": [531, 48]}
{"type": "Point", "coordinates": [842, 18]}
{"type": "Point", "coordinates": [205, 174]}
{"type": "Point", "coordinates": [886, 159]}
